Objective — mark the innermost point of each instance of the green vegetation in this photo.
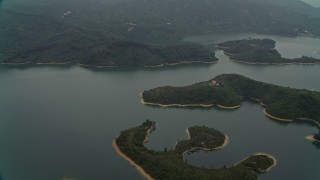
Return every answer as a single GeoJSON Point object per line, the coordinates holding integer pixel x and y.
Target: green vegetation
{"type": "Point", "coordinates": [258, 51]}
{"type": "Point", "coordinates": [119, 54]}
{"type": "Point", "coordinates": [258, 162]}
{"type": "Point", "coordinates": [60, 31]}
{"type": "Point", "coordinates": [201, 137]}
{"type": "Point", "coordinates": [170, 164]}
{"type": "Point", "coordinates": [232, 90]}
{"type": "Point", "coordinates": [199, 93]}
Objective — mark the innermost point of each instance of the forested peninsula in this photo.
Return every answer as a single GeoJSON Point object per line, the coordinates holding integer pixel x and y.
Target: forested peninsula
{"type": "Point", "coordinates": [259, 51]}
{"type": "Point", "coordinates": [115, 54]}
{"type": "Point", "coordinates": [170, 164]}
{"type": "Point", "coordinates": [230, 90]}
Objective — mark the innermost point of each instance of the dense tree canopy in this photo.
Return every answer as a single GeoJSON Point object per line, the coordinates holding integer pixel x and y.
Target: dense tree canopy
{"type": "Point", "coordinates": [63, 31]}
{"type": "Point", "coordinates": [259, 51]}
{"type": "Point", "coordinates": [170, 164]}
{"type": "Point", "coordinates": [232, 90]}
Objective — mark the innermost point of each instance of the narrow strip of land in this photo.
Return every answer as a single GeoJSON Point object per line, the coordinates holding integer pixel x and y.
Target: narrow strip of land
{"type": "Point", "coordinates": [139, 168]}
{"type": "Point", "coordinates": [276, 118]}
{"type": "Point", "coordinates": [183, 62]}
{"type": "Point", "coordinates": [187, 105]}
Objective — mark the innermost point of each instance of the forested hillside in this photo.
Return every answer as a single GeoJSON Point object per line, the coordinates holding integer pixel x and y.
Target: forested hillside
{"type": "Point", "coordinates": [27, 26]}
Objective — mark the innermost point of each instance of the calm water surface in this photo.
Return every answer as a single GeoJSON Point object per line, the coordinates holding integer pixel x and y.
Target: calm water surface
{"type": "Point", "coordinates": [59, 121]}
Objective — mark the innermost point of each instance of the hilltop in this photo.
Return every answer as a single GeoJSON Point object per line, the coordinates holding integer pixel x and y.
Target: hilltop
{"type": "Point", "coordinates": [63, 30]}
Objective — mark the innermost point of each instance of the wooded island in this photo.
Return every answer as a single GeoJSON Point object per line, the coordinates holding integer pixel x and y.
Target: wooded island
{"type": "Point", "coordinates": [230, 90]}
{"type": "Point", "coordinates": [170, 164]}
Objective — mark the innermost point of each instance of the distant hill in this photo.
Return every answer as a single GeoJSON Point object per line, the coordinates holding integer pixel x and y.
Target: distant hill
{"type": "Point", "coordinates": [294, 5]}
{"type": "Point", "coordinates": [31, 24]}
{"type": "Point", "coordinates": [259, 51]}
{"type": "Point", "coordinates": [115, 54]}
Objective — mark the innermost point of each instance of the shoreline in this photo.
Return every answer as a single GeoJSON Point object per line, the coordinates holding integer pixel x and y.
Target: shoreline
{"type": "Point", "coordinates": [187, 105]}
{"type": "Point", "coordinates": [138, 168]}
{"type": "Point", "coordinates": [310, 120]}
{"type": "Point", "coordinates": [282, 119]}
{"type": "Point", "coordinates": [177, 105]}
{"type": "Point", "coordinates": [272, 63]}
{"type": "Point", "coordinates": [229, 107]}
{"type": "Point", "coordinates": [225, 143]}
{"type": "Point", "coordinates": [102, 66]}
{"type": "Point", "coordinates": [258, 100]}
{"type": "Point", "coordinates": [275, 161]}
{"type": "Point", "coordinates": [39, 63]}
{"type": "Point", "coordinates": [311, 138]}
{"type": "Point", "coordinates": [16, 63]}
{"type": "Point", "coordinates": [148, 134]}
{"type": "Point", "coordinates": [54, 63]}
{"type": "Point", "coordinates": [276, 118]}
{"type": "Point", "coordinates": [86, 65]}
{"type": "Point", "coordinates": [291, 120]}
{"type": "Point", "coordinates": [182, 62]}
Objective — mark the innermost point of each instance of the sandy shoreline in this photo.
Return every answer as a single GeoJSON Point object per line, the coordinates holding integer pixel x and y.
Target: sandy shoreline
{"type": "Point", "coordinates": [86, 65]}
{"type": "Point", "coordinates": [276, 118]}
{"type": "Point", "coordinates": [258, 100]}
{"type": "Point", "coordinates": [182, 62]}
{"type": "Point", "coordinates": [16, 63]}
{"type": "Point", "coordinates": [311, 138]}
{"type": "Point", "coordinates": [139, 168]}
{"type": "Point", "coordinates": [148, 133]}
{"type": "Point", "coordinates": [271, 63]}
{"type": "Point", "coordinates": [282, 119]}
{"type": "Point", "coordinates": [40, 63]}
{"type": "Point", "coordinates": [225, 143]}
{"type": "Point", "coordinates": [54, 63]}
{"type": "Point", "coordinates": [187, 105]}
{"type": "Point", "coordinates": [291, 120]}
{"type": "Point", "coordinates": [160, 65]}
{"type": "Point", "coordinates": [275, 161]}
{"type": "Point", "coordinates": [229, 107]}
{"type": "Point", "coordinates": [177, 105]}
{"type": "Point", "coordinates": [310, 120]}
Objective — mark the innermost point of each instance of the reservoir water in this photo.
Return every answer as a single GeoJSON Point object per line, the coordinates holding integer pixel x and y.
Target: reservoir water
{"type": "Point", "coordinates": [59, 121]}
